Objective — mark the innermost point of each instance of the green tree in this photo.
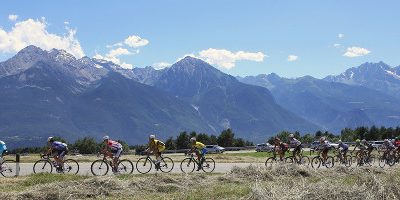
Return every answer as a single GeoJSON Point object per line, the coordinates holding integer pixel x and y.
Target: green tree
{"type": "Point", "coordinates": [182, 141]}
{"type": "Point", "coordinates": [347, 135]}
{"type": "Point", "coordinates": [170, 144]}
{"type": "Point", "coordinates": [86, 145]}
{"type": "Point", "coordinates": [226, 138]}
{"type": "Point", "coordinates": [307, 138]}
{"type": "Point", "coordinates": [213, 139]}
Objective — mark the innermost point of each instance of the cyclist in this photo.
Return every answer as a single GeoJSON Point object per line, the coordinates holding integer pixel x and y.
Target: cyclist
{"type": "Point", "coordinates": [344, 148]}
{"type": "Point", "coordinates": [362, 148]}
{"type": "Point", "coordinates": [61, 150]}
{"type": "Point", "coordinates": [280, 147]}
{"type": "Point", "coordinates": [296, 145]}
{"type": "Point", "coordinates": [388, 146]}
{"type": "Point", "coordinates": [156, 147]}
{"type": "Point", "coordinates": [368, 147]}
{"type": "Point", "coordinates": [200, 150]}
{"type": "Point", "coordinates": [3, 150]}
{"type": "Point", "coordinates": [115, 150]}
{"type": "Point", "coordinates": [324, 148]}
{"type": "Point", "coordinates": [397, 145]}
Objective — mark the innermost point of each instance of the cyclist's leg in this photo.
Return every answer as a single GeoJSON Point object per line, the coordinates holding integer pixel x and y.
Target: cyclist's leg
{"type": "Point", "coordinates": [116, 158]}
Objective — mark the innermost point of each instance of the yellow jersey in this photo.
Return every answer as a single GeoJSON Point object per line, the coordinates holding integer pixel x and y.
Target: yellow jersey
{"type": "Point", "coordinates": [199, 145]}
{"type": "Point", "coordinates": [156, 144]}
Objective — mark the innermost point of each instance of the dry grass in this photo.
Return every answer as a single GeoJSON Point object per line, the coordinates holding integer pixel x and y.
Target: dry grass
{"type": "Point", "coordinates": [281, 182]}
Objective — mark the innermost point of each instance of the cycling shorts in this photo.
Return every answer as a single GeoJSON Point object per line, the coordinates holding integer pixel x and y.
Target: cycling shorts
{"type": "Point", "coordinates": [116, 152]}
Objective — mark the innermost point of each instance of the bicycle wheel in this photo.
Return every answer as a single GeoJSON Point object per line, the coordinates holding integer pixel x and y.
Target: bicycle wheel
{"type": "Point", "coordinates": [125, 167]}
{"type": "Point", "coordinates": [71, 166]}
{"type": "Point", "coordinates": [329, 162]}
{"type": "Point", "coordinates": [289, 159]}
{"type": "Point", "coordinates": [42, 166]}
{"type": "Point", "coordinates": [99, 168]}
{"type": "Point", "coordinates": [304, 160]}
{"type": "Point", "coordinates": [270, 162]}
{"type": "Point", "coordinates": [188, 165]}
{"type": "Point", "coordinates": [166, 164]}
{"type": "Point", "coordinates": [391, 160]}
{"type": "Point", "coordinates": [9, 168]}
{"type": "Point", "coordinates": [208, 165]}
{"type": "Point", "coordinates": [144, 165]}
{"type": "Point", "coordinates": [316, 162]}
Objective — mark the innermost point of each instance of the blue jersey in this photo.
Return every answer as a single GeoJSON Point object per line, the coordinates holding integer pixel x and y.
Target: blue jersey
{"type": "Point", "coordinates": [3, 147]}
{"type": "Point", "coordinates": [58, 146]}
{"type": "Point", "coordinates": [343, 146]}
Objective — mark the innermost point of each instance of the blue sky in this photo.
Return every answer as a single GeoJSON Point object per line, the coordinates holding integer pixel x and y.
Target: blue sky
{"type": "Point", "coordinates": [238, 37]}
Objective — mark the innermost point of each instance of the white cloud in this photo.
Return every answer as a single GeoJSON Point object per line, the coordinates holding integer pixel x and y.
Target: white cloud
{"type": "Point", "coordinates": [356, 52]}
{"type": "Point", "coordinates": [135, 41]}
{"type": "Point", "coordinates": [161, 65]}
{"type": "Point", "coordinates": [34, 32]}
{"type": "Point", "coordinates": [227, 59]}
{"type": "Point", "coordinates": [13, 18]}
{"type": "Point", "coordinates": [337, 45]}
{"type": "Point", "coordinates": [119, 44]}
{"type": "Point", "coordinates": [292, 58]}
{"type": "Point", "coordinates": [114, 54]}
{"type": "Point", "coordinates": [66, 22]}
{"type": "Point", "coordinates": [340, 35]}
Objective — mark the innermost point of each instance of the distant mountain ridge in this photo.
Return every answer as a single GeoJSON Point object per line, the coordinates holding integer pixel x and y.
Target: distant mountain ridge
{"type": "Point", "coordinates": [377, 76]}
{"type": "Point", "coordinates": [351, 99]}
{"type": "Point", "coordinates": [52, 93]}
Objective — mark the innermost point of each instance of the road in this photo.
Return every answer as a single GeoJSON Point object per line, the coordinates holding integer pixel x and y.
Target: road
{"type": "Point", "coordinates": [27, 168]}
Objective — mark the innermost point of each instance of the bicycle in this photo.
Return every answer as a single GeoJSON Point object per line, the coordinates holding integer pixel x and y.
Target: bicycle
{"type": "Point", "coordinates": [145, 164]}
{"type": "Point", "coordinates": [101, 167]}
{"type": "Point", "coordinates": [346, 161]}
{"type": "Point", "coordinates": [272, 160]}
{"type": "Point", "coordinates": [8, 168]}
{"type": "Point", "coordinates": [363, 159]}
{"type": "Point", "coordinates": [304, 160]}
{"type": "Point", "coordinates": [387, 159]}
{"type": "Point", "coordinates": [46, 165]}
{"type": "Point", "coordinates": [316, 162]}
{"type": "Point", "coordinates": [188, 164]}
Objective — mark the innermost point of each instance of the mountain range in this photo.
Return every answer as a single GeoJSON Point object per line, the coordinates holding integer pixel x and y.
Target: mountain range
{"type": "Point", "coordinates": [362, 96]}
{"type": "Point", "coordinates": [47, 93]}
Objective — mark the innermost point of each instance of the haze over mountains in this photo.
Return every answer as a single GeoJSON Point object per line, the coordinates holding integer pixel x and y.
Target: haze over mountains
{"type": "Point", "coordinates": [362, 96]}
{"type": "Point", "coordinates": [47, 93]}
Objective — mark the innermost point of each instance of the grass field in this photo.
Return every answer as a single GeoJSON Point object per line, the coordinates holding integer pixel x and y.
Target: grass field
{"type": "Point", "coordinates": [282, 182]}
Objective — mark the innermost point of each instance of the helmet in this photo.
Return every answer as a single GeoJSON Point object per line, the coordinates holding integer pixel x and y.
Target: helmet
{"type": "Point", "coordinates": [358, 141]}
{"type": "Point", "coordinates": [106, 137]}
{"type": "Point", "coordinates": [322, 139]}
{"type": "Point", "coordinates": [386, 140]}
{"type": "Point", "coordinates": [340, 141]}
{"type": "Point", "coordinates": [152, 137]}
{"type": "Point", "coordinates": [291, 135]}
{"type": "Point", "coordinates": [193, 139]}
{"type": "Point", "coordinates": [363, 141]}
{"type": "Point", "coordinates": [50, 139]}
